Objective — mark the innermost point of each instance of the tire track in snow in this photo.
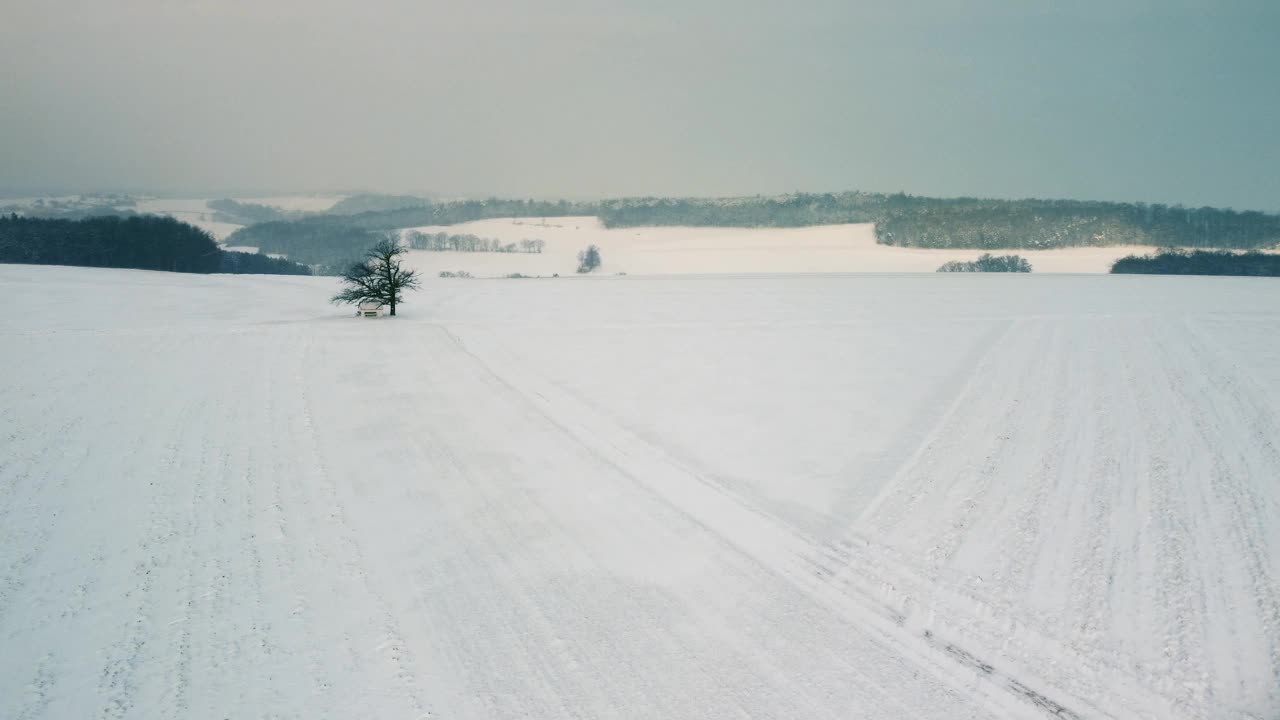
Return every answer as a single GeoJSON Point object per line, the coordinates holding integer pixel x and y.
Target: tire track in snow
{"type": "Point", "coordinates": [389, 641]}
{"type": "Point", "coordinates": [1096, 561]}
{"type": "Point", "coordinates": [59, 466]}
{"type": "Point", "coordinates": [958, 408]}
{"type": "Point", "coordinates": [1007, 632]}
{"type": "Point", "coordinates": [559, 664]}
{"type": "Point", "coordinates": [1196, 507]}
{"type": "Point", "coordinates": [487, 538]}
{"type": "Point", "coordinates": [118, 682]}
{"type": "Point", "coordinates": [894, 596]}
{"type": "Point", "coordinates": [931, 504]}
{"type": "Point", "coordinates": [39, 689]}
{"type": "Point", "coordinates": [781, 549]}
{"type": "Point", "coordinates": [39, 470]}
{"type": "Point", "coordinates": [1166, 527]}
{"type": "Point", "coordinates": [1221, 406]}
{"type": "Point", "coordinates": [203, 632]}
{"type": "Point", "coordinates": [175, 698]}
{"type": "Point", "coordinates": [1169, 403]}
{"type": "Point", "coordinates": [782, 659]}
{"type": "Point", "coordinates": [293, 515]}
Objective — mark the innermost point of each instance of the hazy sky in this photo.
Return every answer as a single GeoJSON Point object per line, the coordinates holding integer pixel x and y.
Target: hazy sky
{"type": "Point", "coordinates": [1160, 100]}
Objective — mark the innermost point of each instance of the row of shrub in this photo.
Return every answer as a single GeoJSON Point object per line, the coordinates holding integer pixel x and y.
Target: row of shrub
{"type": "Point", "coordinates": [443, 241]}
{"type": "Point", "coordinates": [989, 263]}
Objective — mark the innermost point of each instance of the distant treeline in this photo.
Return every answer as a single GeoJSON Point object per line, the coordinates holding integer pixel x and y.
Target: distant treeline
{"type": "Point", "coordinates": [443, 241]}
{"type": "Point", "coordinates": [1200, 262]}
{"type": "Point", "coordinates": [330, 241]}
{"type": "Point", "coordinates": [75, 208]}
{"type": "Point", "coordinates": [450, 213]}
{"type": "Point", "coordinates": [244, 263]}
{"type": "Point", "coordinates": [373, 202]}
{"type": "Point", "coordinates": [145, 242]}
{"type": "Point", "coordinates": [243, 213]}
{"type": "Point", "coordinates": [912, 221]}
{"type": "Point", "coordinates": [1039, 224]}
{"type": "Point", "coordinates": [327, 248]}
{"type": "Point", "coordinates": [900, 219]}
{"type": "Point", "coordinates": [797, 210]}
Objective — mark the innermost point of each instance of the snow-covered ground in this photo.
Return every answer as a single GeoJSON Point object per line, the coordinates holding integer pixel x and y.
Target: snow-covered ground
{"type": "Point", "coordinates": [191, 211]}
{"type": "Point", "coordinates": [298, 203]}
{"type": "Point", "coordinates": [818, 496]}
{"type": "Point", "coordinates": [196, 211]}
{"type": "Point", "coordinates": [701, 250]}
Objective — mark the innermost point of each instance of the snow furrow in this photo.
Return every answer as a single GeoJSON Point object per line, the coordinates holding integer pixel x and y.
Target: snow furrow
{"type": "Point", "coordinates": [778, 548]}
{"type": "Point", "coordinates": [721, 498]}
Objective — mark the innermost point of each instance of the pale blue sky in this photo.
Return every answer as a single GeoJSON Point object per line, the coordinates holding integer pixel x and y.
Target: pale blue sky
{"type": "Point", "coordinates": [1173, 101]}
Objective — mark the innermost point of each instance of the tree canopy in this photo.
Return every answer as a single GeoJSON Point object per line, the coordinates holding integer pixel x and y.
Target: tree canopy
{"type": "Point", "coordinates": [588, 259]}
{"type": "Point", "coordinates": [1200, 262]}
{"type": "Point", "coordinates": [989, 263]}
{"type": "Point", "coordinates": [145, 242]}
{"type": "Point", "coordinates": [378, 277]}
{"type": "Point", "coordinates": [329, 241]}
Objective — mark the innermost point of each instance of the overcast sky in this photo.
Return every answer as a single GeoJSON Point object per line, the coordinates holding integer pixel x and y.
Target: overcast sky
{"type": "Point", "coordinates": [1167, 100]}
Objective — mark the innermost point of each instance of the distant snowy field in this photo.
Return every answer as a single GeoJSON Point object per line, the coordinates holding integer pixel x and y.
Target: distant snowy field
{"type": "Point", "coordinates": [667, 250]}
{"type": "Point", "coordinates": [817, 496]}
{"type": "Point", "coordinates": [297, 203]}
{"type": "Point", "coordinates": [848, 248]}
{"type": "Point", "coordinates": [658, 250]}
{"type": "Point", "coordinates": [192, 212]}
{"type": "Point", "coordinates": [709, 250]}
{"type": "Point", "coordinates": [196, 211]}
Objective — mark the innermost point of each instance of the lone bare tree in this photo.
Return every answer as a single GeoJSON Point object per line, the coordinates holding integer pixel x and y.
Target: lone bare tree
{"type": "Point", "coordinates": [378, 277]}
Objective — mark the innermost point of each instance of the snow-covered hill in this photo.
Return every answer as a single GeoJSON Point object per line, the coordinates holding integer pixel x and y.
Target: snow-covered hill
{"type": "Point", "coordinates": [878, 496]}
{"type": "Point", "coordinates": [196, 211]}
{"type": "Point", "coordinates": [710, 250]}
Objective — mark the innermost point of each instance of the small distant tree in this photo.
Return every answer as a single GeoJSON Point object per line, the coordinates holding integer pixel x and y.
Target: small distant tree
{"type": "Point", "coordinates": [588, 259]}
{"type": "Point", "coordinates": [378, 277]}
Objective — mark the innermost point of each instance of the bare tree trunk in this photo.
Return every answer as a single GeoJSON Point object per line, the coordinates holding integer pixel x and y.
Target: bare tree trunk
{"type": "Point", "coordinates": [389, 261]}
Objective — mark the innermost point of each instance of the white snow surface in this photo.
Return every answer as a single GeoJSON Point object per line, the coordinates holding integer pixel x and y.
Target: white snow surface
{"type": "Point", "coordinates": [191, 211]}
{"type": "Point", "coordinates": [196, 211]}
{"type": "Point", "coordinates": [300, 203]}
{"type": "Point", "coordinates": [709, 250]}
{"type": "Point", "coordinates": [818, 496]}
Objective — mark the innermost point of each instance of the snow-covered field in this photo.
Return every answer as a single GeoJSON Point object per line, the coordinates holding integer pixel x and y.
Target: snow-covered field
{"type": "Point", "coordinates": [702, 250]}
{"type": "Point", "coordinates": [191, 211]}
{"type": "Point", "coordinates": [196, 211]}
{"type": "Point", "coordinates": [298, 203]}
{"type": "Point", "coordinates": [818, 496]}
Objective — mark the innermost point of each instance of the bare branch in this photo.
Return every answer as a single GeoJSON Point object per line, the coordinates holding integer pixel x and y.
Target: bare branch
{"type": "Point", "coordinates": [379, 277]}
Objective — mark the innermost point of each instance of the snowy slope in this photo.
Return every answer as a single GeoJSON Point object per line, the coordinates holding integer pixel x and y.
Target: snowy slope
{"type": "Point", "coordinates": [709, 497]}
{"type": "Point", "coordinates": [299, 203]}
{"type": "Point", "coordinates": [191, 211]}
{"type": "Point", "coordinates": [196, 211]}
